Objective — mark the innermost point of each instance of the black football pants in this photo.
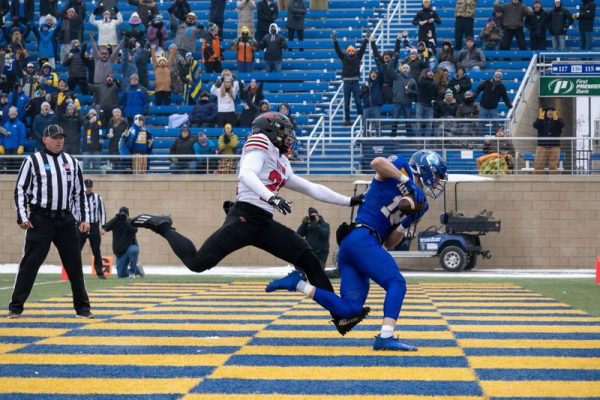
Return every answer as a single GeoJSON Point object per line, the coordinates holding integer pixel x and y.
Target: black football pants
{"type": "Point", "coordinates": [95, 241]}
{"type": "Point", "coordinates": [61, 231]}
{"type": "Point", "coordinates": [248, 225]}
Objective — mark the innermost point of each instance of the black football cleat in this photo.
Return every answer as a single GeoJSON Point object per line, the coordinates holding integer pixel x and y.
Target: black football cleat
{"type": "Point", "coordinates": [345, 325]}
{"type": "Point", "coordinates": [152, 222]}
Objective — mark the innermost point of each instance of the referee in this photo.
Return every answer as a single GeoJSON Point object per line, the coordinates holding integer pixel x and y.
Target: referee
{"type": "Point", "coordinates": [97, 221]}
{"type": "Point", "coordinates": [49, 190]}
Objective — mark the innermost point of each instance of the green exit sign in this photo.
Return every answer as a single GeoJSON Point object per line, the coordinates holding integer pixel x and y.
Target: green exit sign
{"type": "Point", "coordinates": [553, 86]}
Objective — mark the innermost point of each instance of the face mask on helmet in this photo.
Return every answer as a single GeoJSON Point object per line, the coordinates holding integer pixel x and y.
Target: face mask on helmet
{"type": "Point", "coordinates": [432, 170]}
{"type": "Point", "coordinates": [278, 128]}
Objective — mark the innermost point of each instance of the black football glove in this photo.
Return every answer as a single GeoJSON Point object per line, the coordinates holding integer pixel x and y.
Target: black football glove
{"type": "Point", "coordinates": [357, 200]}
{"type": "Point", "coordinates": [282, 205]}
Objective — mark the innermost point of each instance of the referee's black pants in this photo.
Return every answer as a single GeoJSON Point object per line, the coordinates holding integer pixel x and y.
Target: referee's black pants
{"type": "Point", "coordinates": [248, 225]}
{"type": "Point", "coordinates": [95, 241]}
{"type": "Point", "coordinates": [50, 228]}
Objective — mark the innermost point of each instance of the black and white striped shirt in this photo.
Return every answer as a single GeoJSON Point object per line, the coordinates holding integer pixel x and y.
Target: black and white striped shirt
{"type": "Point", "coordinates": [96, 207]}
{"type": "Point", "coordinates": [50, 182]}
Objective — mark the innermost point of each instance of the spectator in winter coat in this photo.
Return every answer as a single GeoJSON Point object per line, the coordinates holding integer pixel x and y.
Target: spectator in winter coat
{"type": "Point", "coordinates": [29, 79]}
{"type": "Point", "coordinates": [49, 79]}
{"type": "Point", "coordinates": [513, 14]}
{"type": "Point", "coordinates": [427, 90]}
{"type": "Point", "coordinates": [130, 60]}
{"type": "Point", "coordinates": [139, 144]}
{"type": "Point", "coordinates": [103, 60]}
{"type": "Point", "coordinates": [426, 19]}
{"type": "Point", "coordinates": [107, 28]}
{"type": "Point", "coordinates": [69, 30]}
{"type": "Point", "coordinates": [63, 97]}
{"type": "Point", "coordinates": [586, 17]}
{"type": "Point", "coordinates": [216, 14]}
{"type": "Point", "coordinates": [491, 35]}
{"type": "Point", "coordinates": [115, 128]}
{"type": "Point", "coordinates": [146, 9]}
{"type": "Point", "coordinates": [536, 23]}
{"type": "Point", "coordinates": [212, 54]}
{"type": "Point", "coordinates": [92, 140]}
{"type": "Point", "coordinates": [267, 12]}
{"type": "Point", "coordinates": [245, 10]}
{"type": "Point", "coordinates": [273, 43]}
{"type": "Point", "coordinates": [446, 57]}
{"type": "Point", "coordinates": [183, 145]}
{"type": "Point", "coordinates": [226, 89]}
{"type": "Point", "coordinates": [372, 100]}
{"type": "Point", "coordinates": [245, 46]}
{"type": "Point", "coordinates": [204, 113]}
{"type": "Point", "coordinates": [76, 67]}
{"type": "Point", "coordinates": [47, 39]}
{"type": "Point", "coordinates": [177, 12]}
{"type": "Point", "coordinates": [162, 72]}
{"type": "Point", "coordinates": [468, 109]}
{"type": "Point", "coordinates": [351, 61]}
{"type": "Point", "coordinates": [404, 89]}
{"type": "Point", "coordinates": [134, 31]}
{"type": "Point", "coordinates": [227, 144]}
{"type": "Point", "coordinates": [71, 122]}
{"type": "Point", "coordinates": [157, 34]}
{"type": "Point", "coordinates": [383, 62]}
{"type": "Point", "coordinates": [187, 33]}
{"type": "Point", "coordinates": [295, 21]}
{"type": "Point", "coordinates": [459, 84]}
{"type": "Point", "coordinates": [135, 100]}
{"type": "Point", "coordinates": [471, 58]}
{"type": "Point", "coordinates": [547, 152]}
{"type": "Point", "coordinates": [251, 96]}
{"type": "Point", "coordinates": [465, 17]}
{"type": "Point", "coordinates": [19, 99]}
{"type": "Point", "coordinates": [79, 7]}
{"type": "Point", "coordinates": [447, 107]}
{"type": "Point", "coordinates": [106, 97]}
{"type": "Point", "coordinates": [14, 142]}
{"type": "Point", "coordinates": [558, 21]}
{"type": "Point", "coordinates": [415, 63]}
{"type": "Point", "coordinates": [493, 90]}
{"type": "Point", "coordinates": [41, 121]}
{"type": "Point", "coordinates": [204, 147]}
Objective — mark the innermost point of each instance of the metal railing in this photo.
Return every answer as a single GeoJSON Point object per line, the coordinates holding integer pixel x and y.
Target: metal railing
{"type": "Point", "coordinates": [335, 103]}
{"type": "Point", "coordinates": [316, 137]}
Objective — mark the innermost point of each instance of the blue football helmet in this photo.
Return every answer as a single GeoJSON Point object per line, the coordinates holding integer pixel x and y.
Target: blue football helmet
{"type": "Point", "coordinates": [432, 170]}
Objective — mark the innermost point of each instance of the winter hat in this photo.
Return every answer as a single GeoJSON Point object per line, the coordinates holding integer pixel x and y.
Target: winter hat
{"type": "Point", "coordinates": [350, 48]}
{"type": "Point", "coordinates": [413, 50]}
{"type": "Point", "coordinates": [88, 183]}
{"type": "Point", "coordinates": [312, 210]}
{"type": "Point", "coordinates": [449, 92]}
{"type": "Point", "coordinates": [228, 126]}
{"type": "Point", "coordinates": [45, 104]}
{"type": "Point", "coordinates": [107, 12]}
{"type": "Point", "coordinates": [132, 76]}
{"type": "Point", "coordinates": [158, 18]}
{"type": "Point", "coordinates": [124, 210]}
{"type": "Point", "coordinates": [191, 14]}
{"type": "Point", "coordinates": [491, 19]}
{"type": "Point", "coordinates": [189, 54]}
{"type": "Point", "coordinates": [135, 19]}
{"type": "Point", "coordinates": [30, 64]}
{"type": "Point", "coordinates": [70, 105]}
{"type": "Point", "coordinates": [245, 29]}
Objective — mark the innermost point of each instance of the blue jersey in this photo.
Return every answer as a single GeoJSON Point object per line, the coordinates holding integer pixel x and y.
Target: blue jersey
{"type": "Point", "coordinates": [380, 207]}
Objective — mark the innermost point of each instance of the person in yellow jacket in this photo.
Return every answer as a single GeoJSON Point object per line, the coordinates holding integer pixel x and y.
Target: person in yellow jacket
{"type": "Point", "coordinates": [227, 145]}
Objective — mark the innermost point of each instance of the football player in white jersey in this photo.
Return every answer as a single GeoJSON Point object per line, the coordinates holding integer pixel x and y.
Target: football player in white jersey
{"type": "Point", "coordinates": [264, 170]}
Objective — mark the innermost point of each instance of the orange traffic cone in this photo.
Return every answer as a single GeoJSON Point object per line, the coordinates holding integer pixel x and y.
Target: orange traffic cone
{"type": "Point", "coordinates": [63, 274]}
{"type": "Point", "coordinates": [597, 269]}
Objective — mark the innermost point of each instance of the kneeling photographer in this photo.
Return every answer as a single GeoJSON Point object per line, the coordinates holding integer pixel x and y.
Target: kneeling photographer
{"type": "Point", "coordinates": [124, 244]}
{"type": "Point", "coordinates": [316, 232]}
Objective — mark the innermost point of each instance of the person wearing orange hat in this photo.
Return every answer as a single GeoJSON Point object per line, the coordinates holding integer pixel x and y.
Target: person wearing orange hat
{"type": "Point", "coordinates": [351, 61]}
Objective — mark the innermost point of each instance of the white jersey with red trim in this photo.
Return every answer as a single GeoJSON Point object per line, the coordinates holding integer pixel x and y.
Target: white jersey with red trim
{"type": "Point", "coordinates": [273, 173]}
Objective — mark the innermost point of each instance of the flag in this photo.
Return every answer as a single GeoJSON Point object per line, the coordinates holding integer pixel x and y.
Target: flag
{"type": "Point", "coordinates": [192, 90]}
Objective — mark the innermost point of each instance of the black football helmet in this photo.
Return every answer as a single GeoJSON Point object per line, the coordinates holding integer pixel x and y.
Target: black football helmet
{"type": "Point", "coordinates": [277, 127]}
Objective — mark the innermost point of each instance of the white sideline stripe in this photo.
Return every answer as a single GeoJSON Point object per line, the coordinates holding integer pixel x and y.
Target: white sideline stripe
{"type": "Point", "coordinates": [262, 271]}
{"type": "Point", "coordinates": [35, 284]}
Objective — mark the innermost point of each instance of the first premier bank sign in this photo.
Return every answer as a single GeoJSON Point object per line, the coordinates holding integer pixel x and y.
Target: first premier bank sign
{"type": "Point", "coordinates": [553, 86]}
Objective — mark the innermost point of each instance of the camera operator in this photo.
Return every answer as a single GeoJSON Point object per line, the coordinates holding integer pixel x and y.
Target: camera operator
{"type": "Point", "coordinates": [124, 244]}
{"type": "Point", "coordinates": [316, 232]}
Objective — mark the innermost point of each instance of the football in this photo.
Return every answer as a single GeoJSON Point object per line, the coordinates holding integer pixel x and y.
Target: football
{"type": "Point", "coordinates": [408, 205]}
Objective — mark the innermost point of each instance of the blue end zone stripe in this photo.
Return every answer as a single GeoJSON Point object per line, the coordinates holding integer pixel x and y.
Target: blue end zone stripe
{"type": "Point", "coordinates": [101, 371]}
{"type": "Point", "coordinates": [467, 322]}
{"type": "Point", "coordinates": [524, 335]}
{"type": "Point", "coordinates": [538, 375]}
{"type": "Point", "coordinates": [533, 352]}
{"type": "Point", "coordinates": [400, 328]}
{"type": "Point", "coordinates": [161, 333]}
{"type": "Point", "coordinates": [21, 396]}
{"type": "Point", "coordinates": [342, 341]}
{"type": "Point", "coordinates": [338, 387]}
{"type": "Point", "coordinates": [83, 349]}
{"type": "Point", "coordinates": [20, 339]}
{"type": "Point", "coordinates": [347, 361]}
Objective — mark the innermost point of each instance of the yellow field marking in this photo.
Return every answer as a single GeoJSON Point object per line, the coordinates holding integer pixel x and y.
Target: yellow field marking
{"type": "Point", "coordinates": [324, 321]}
{"type": "Point", "coordinates": [106, 386]}
{"type": "Point", "coordinates": [501, 305]}
{"type": "Point", "coordinates": [374, 307]}
{"type": "Point", "coordinates": [297, 313]}
{"type": "Point", "coordinates": [104, 299]}
{"type": "Point", "coordinates": [144, 341]}
{"type": "Point", "coordinates": [166, 360]}
{"type": "Point", "coordinates": [213, 309]}
{"type": "Point", "coordinates": [346, 351]}
{"type": "Point", "coordinates": [530, 344]}
{"type": "Point", "coordinates": [343, 373]}
{"type": "Point", "coordinates": [29, 332]}
{"type": "Point", "coordinates": [509, 311]}
{"type": "Point", "coordinates": [62, 312]}
{"type": "Point", "coordinates": [236, 303]}
{"type": "Point", "coordinates": [280, 396]}
{"type": "Point", "coordinates": [57, 320]}
{"type": "Point", "coordinates": [69, 304]}
{"type": "Point", "coordinates": [176, 326]}
{"type": "Point", "coordinates": [354, 334]}
{"type": "Point", "coordinates": [531, 362]}
{"type": "Point", "coordinates": [5, 348]}
{"type": "Point", "coordinates": [536, 389]}
{"type": "Point", "coordinates": [193, 317]}
{"type": "Point", "coordinates": [512, 318]}
{"type": "Point", "coordinates": [491, 299]}
{"type": "Point", "coordinates": [526, 328]}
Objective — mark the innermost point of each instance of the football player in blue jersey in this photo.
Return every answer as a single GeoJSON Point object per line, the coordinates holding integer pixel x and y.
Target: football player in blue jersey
{"type": "Point", "coordinates": [379, 221]}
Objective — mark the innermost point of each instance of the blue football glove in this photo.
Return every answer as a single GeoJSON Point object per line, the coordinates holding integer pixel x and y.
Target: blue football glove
{"type": "Point", "coordinates": [416, 191]}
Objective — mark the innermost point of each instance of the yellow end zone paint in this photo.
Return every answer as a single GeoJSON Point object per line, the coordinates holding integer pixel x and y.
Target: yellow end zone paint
{"type": "Point", "coordinates": [536, 389]}
{"type": "Point", "coordinates": [530, 344]}
{"type": "Point", "coordinates": [165, 360]}
{"type": "Point", "coordinates": [96, 385]}
{"type": "Point", "coordinates": [517, 362]}
{"type": "Point", "coordinates": [144, 341]}
{"type": "Point", "coordinates": [347, 351]}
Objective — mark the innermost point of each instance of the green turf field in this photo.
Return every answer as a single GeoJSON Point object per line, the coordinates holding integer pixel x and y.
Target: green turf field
{"type": "Point", "coordinates": [580, 293]}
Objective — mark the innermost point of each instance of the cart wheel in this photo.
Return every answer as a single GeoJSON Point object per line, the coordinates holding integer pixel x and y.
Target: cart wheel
{"type": "Point", "coordinates": [471, 261]}
{"type": "Point", "coordinates": [453, 258]}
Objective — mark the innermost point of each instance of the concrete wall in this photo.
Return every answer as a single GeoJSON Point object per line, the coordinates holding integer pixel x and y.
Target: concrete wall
{"type": "Point", "coordinates": [547, 221]}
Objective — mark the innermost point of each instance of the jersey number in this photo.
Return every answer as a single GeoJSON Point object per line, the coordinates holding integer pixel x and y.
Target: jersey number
{"type": "Point", "coordinates": [277, 180]}
{"type": "Point", "coordinates": [391, 211]}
